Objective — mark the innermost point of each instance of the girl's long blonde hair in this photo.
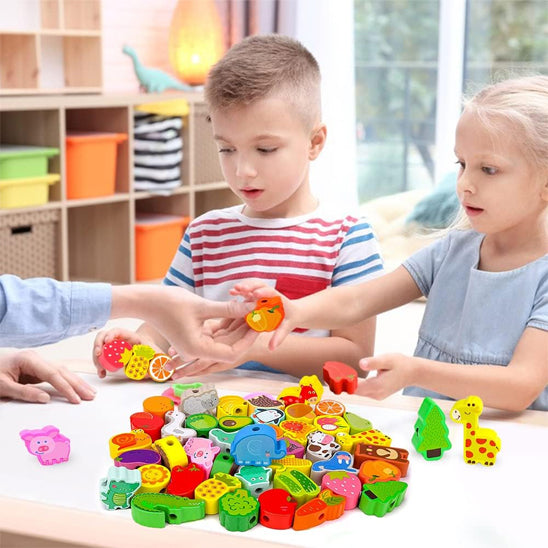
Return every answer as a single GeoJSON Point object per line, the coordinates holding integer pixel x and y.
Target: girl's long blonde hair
{"type": "Point", "coordinates": [522, 104]}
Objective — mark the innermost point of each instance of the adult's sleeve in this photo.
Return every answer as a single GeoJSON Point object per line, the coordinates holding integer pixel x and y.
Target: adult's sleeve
{"type": "Point", "coordinates": [39, 311]}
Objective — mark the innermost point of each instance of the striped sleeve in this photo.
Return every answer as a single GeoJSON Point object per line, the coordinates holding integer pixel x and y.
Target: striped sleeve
{"type": "Point", "coordinates": [359, 256]}
{"type": "Point", "coordinates": [180, 272]}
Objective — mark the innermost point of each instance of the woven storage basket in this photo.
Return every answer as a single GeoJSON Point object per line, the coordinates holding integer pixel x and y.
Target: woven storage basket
{"type": "Point", "coordinates": [28, 243]}
{"type": "Point", "coordinates": [206, 157]}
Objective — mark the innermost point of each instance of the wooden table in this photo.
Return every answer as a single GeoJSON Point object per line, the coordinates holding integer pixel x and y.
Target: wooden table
{"type": "Point", "coordinates": [448, 503]}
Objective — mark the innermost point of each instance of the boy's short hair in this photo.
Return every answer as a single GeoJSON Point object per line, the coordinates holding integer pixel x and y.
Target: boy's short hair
{"type": "Point", "coordinates": [265, 65]}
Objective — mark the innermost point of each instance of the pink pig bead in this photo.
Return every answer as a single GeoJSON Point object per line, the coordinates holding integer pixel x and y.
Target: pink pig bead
{"type": "Point", "coordinates": [50, 446]}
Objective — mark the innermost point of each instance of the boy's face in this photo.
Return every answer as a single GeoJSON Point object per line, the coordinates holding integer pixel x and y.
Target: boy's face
{"type": "Point", "coordinates": [265, 150]}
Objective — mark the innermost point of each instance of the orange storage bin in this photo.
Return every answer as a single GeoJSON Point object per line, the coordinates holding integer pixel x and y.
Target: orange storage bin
{"type": "Point", "coordinates": [91, 163]}
{"type": "Point", "coordinates": [156, 240]}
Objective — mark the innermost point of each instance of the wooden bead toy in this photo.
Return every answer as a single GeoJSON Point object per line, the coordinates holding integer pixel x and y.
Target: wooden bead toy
{"type": "Point", "coordinates": [47, 444]}
{"type": "Point", "coordinates": [297, 484]}
{"type": "Point", "coordinates": [335, 504]}
{"type": "Point", "coordinates": [329, 407]}
{"type": "Point", "coordinates": [255, 479]}
{"type": "Point", "coordinates": [202, 452]}
{"type": "Point", "coordinates": [221, 439]}
{"type": "Point", "coordinates": [264, 401]}
{"type": "Point", "coordinates": [154, 478]}
{"type": "Point", "coordinates": [378, 499]}
{"type": "Point", "coordinates": [210, 491]}
{"type": "Point", "coordinates": [111, 354]}
{"type": "Point", "coordinates": [119, 486]}
{"type": "Point", "coordinates": [349, 442]}
{"type": "Point", "coordinates": [171, 451]}
{"type": "Point", "coordinates": [320, 446]}
{"type": "Point", "coordinates": [431, 435]}
{"type": "Point", "coordinates": [296, 430]}
{"type": "Point", "coordinates": [310, 514]}
{"type": "Point", "coordinates": [330, 424]}
{"type": "Point", "coordinates": [157, 368]}
{"type": "Point", "coordinates": [393, 455]}
{"type": "Point", "coordinates": [158, 405]}
{"type": "Point", "coordinates": [238, 511]}
{"type": "Point", "coordinates": [137, 361]}
{"type": "Point", "coordinates": [481, 445]}
{"type": "Point", "coordinates": [293, 447]}
{"type": "Point", "coordinates": [345, 484]}
{"type": "Point", "coordinates": [340, 377]}
{"type": "Point", "coordinates": [357, 424]}
{"type": "Point", "coordinates": [136, 439]}
{"type": "Point", "coordinates": [157, 509]}
{"type": "Point", "coordinates": [290, 462]}
{"type": "Point", "coordinates": [267, 315]}
{"type": "Point", "coordinates": [374, 471]}
{"type": "Point", "coordinates": [267, 415]}
{"type": "Point", "coordinates": [135, 458]}
{"type": "Point", "coordinates": [257, 445]}
{"type": "Point", "coordinates": [277, 509]}
{"type": "Point", "coordinates": [234, 423]}
{"type": "Point", "coordinates": [174, 426]}
{"type": "Point", "coordinates": [232, 406]}
{"type": "Point", "coordinates": [185, 479]}
{"type": "Point", "coordinates": [202, 424]}
{"type": "Point", "coordinates": [300, 411]}
{"type": "Point", "coordinates": [199, 400]}
{"type": "Point", "coordinates": [340, 461]}
{"type": "Point", "coordinates": [231, 482]}
{"type": "Point", "coordinates": [224, 463]}
{"type": "Point", "coordinates": [149, 423]}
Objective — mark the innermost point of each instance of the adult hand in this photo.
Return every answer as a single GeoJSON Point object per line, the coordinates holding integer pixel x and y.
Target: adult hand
{"type": "Point", "coordinates": [20, 370]}
{"type": "Point", "coordinates": [180, 319]}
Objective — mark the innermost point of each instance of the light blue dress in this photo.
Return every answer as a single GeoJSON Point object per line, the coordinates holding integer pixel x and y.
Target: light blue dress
{"type": "Point", "coordinates": [473, 316]}
{"type": "Point", "coordinates": [41, 311]}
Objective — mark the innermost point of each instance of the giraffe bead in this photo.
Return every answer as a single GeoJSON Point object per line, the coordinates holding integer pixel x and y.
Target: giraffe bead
{"type": "Point", "coordinates": [481, 445]}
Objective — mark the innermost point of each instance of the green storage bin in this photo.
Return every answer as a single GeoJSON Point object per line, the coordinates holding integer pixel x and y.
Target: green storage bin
{"type": "Point", "coordinates": [18, 161]}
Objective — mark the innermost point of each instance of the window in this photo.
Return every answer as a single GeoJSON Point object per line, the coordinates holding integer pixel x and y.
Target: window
{"type": "Point", "coordinates": [403, 48]}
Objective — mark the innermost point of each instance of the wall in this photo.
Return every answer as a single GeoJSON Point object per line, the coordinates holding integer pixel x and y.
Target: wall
{"type": "Point", "coordinates": [142, 24]}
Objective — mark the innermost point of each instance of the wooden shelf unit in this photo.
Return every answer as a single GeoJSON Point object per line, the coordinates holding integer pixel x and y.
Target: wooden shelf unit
{"type": "Point", "coordinates": [96, 236]}
{"type": "Point", "coordinates": [56, 49]}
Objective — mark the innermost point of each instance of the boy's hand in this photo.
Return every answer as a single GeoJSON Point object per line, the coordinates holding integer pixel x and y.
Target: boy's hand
{"type": "Point", "coordinates": [394, 372]}
{"type": "Point", "coordinates": [108, 336]}
{"type": "Point", "coordinates": [21, 369]}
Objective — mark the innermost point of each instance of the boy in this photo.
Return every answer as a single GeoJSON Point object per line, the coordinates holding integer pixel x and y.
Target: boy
{"type": "Point", "coordinates": [265, 110]}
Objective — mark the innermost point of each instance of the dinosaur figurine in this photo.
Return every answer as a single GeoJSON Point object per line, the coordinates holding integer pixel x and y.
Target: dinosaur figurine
{"type": "Point", "coordinates": [154, 80]}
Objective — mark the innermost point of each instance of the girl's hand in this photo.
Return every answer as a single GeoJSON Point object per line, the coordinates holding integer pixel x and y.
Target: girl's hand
{"type": "Point", "coordinates": [108, 336]}
{"type": "Point", "coordinates": [20, 370]}
{"type": "Point", "coordinates": [394, 372]}
{"type": "Point", "coordinates": [253, 290]}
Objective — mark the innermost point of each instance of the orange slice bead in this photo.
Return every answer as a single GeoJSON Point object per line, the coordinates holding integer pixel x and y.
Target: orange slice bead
{"type": "Point", "coordinates": [329, 407]}
{"type": "Point", "coordinates": [157, 370]}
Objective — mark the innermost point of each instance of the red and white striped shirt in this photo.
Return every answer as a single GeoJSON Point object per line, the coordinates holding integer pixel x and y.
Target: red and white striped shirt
{"type": "Point", "coordinates": [298, 256]}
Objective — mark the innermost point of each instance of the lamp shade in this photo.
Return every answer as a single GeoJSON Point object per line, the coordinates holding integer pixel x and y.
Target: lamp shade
{"type": "Point", "coordinates": [196, 40]}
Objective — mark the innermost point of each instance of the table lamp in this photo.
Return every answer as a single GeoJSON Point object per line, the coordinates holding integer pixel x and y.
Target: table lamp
{"type": "Point", "coordinates": [196, 39]}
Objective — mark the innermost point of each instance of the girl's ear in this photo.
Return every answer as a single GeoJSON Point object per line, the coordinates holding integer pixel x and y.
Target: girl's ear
{"type": "Point", "coordinates": [317, 141]}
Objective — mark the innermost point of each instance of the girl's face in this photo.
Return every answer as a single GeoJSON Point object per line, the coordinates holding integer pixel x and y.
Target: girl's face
{"type": "Point", "coordinates": [265, 150]}
{"type": "Point", "coordinates": [501, 190]}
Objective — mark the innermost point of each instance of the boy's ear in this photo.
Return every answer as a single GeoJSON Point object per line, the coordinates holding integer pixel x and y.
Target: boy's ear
{"type": "Point", "coordinates": [317, 141]}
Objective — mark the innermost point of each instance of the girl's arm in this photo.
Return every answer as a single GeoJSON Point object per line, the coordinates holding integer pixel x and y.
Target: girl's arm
{"type": "Point", "coordinates": [513, 387]}
{"type": "Point", "coordinates": [342, 307]}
